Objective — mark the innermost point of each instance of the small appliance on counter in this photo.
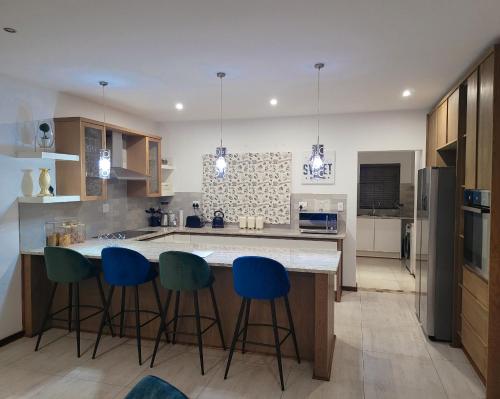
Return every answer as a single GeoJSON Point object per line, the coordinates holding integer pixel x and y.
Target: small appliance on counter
{"type": "Point", "coordinates": [195, 221]}
{"type": "Point", "coordinates": [476, 208]}
{"type": "Point", "coordinates": [155, 217]}
{"type": "Point", "coordinates": [318, 222]}
{"type": "Point", "coordinates": [218, 220]}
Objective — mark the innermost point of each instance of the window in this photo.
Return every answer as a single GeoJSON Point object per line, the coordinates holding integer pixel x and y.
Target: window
{"type": "Point", "coordinates": [379, 186]}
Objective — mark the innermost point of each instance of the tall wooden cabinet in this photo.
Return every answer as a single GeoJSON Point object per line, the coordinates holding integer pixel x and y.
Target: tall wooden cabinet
{"type": "Point", "coordinates": [471, 130]}
{"type": "Point", "coordinates": [485, 124]}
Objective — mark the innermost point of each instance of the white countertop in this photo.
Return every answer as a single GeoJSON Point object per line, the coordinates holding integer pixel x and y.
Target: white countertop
{"type": "Point", "coordinates": [296, 260]}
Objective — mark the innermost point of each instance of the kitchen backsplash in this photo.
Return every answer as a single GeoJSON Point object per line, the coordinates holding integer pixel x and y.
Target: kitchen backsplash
{"type": "Point", "coordinates": [124, 213]}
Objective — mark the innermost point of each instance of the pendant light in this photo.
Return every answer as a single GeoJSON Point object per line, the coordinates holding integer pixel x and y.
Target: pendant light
{"type": "Point", "coordinates": [220, 152]}
{"type": "Point", "coordinates": [316, 160]}
{"type": "Point", "coordinates": [104, 153]}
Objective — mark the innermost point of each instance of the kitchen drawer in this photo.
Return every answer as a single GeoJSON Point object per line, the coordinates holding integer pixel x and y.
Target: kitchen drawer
{"type": "Point", "coordinates": [475, 314]}
{"type": "Point", "coordinates": [476, 286]}
{"type": "Point", "coordinates": [474, 347]}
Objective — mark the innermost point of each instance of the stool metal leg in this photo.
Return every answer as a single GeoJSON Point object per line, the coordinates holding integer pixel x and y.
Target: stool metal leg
{"type": "Point", "coordinates": [103, 301]}
{"type": "Point", "coordinates": [70, 305]}
{"type": "Point", "coordinates": [198, 330]}
{"type": "Point", "coordinates": [158, 302]}
{"type": "Point", "coordinates": [245, 326]}
{"type": "Point", "coordinates": [46, 316]}
{"type": "Point", "coordinates": [176, 315]}
{"type": "Point", "coordinates": [161, 327]}
{"type": "Point", "coordinates": [77, 317]}
{"type": "Point", "coordinates": [138, 323]}
{"type": "Point", "coordinates": [292, 328]}
{"type": "Point", "coordinates": [217, 317]}
{"type": "Point", "coordinates": [277, 342]}
{"type": "Point", "coordinates": [103, 319]}
{"type": "Point", "coordinates": [235, 336]}
{"type": "Point", "coordinates": [122, 311]}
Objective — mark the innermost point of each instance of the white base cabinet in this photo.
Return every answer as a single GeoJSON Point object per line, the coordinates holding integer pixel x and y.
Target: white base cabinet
{"type": "Point", "coordinates": [378, 236]}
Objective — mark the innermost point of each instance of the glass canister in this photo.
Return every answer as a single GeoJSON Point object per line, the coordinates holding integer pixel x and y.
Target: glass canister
{"type": "Point", "coordinates": [80, 235]}
{"type": "Point", "coordinates": [51, 234]}
{"type": "Point", "coordinates": [65, 236]}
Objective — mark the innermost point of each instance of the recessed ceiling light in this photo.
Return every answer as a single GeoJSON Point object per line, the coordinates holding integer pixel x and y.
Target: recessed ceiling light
{"type": "Point", "coordinates": [10, 30]}
{"type": "Point", "coordinates": [407, 93]}
{"type": "Point", "coordinates": [273, 102]}
{"type": "Point", "coordinates": [179, 106]}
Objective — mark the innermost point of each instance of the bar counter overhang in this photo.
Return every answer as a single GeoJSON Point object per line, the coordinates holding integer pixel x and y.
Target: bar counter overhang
{"type": "Point", "coordinates": [312, 296]}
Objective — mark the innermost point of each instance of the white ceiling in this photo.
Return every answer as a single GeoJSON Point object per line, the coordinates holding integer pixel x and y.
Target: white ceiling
{"type": "Point", "coordinates": [155, 53]}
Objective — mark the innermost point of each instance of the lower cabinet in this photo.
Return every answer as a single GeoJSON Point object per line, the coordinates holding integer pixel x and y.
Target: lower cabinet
{"type": "Point", "coordinates": [380, 236]}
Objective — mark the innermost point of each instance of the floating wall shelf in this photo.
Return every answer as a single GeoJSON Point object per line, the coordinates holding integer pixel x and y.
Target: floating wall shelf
{"type": "Point", "coordinates": [48, 155]}
{"type": "Point", "coordinates": [49, 200]}
{"type": "Point", "coordinates": [167, 167]}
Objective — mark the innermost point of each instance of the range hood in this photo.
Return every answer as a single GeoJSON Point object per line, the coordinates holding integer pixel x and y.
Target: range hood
{"type": "Point", "coordinates": [119, 169]}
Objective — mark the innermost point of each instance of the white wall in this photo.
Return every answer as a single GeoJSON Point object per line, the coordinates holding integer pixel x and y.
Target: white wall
{"type": "Point", "coordinates": [346, 134]}
{"type": "Point", "coordinates": [20, 104]}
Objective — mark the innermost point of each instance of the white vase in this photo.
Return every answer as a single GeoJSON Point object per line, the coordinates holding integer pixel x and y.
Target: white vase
{"type": "Point", "coordinates": [44, 181]}
{"type": "Point", "coordinates": [27, 184]}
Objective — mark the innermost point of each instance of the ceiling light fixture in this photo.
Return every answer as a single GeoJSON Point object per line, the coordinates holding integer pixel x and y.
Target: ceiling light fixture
{"type": "Point", "coordinates": [316, 160]}
{"type": "Point", "coordinates": [407, 93]}
{"type": "Point", "coordinates": [220, 152]}
{"type": "Point", "coordinates": [104, 153]}
{"type": "Point", "coordinates": [273, 102]}
{"type": "Point", "coordinates": [179, 106]}
{"type": "Point", "coordinates": [10, 30]}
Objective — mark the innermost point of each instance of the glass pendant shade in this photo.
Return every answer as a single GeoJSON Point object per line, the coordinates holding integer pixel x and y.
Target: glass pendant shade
{"type": "Point", "coordinates": [220, 162]}
{"type": "Point", "coordinates": [104, 163]}
{"type": "Point", "coordinates": [316, 160]}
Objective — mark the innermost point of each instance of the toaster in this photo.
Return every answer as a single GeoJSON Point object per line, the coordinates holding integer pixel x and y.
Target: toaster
{"type": "Point", "coordinates": [194, 221]}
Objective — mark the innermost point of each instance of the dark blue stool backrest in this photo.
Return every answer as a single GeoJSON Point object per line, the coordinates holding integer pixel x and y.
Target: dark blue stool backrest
{"type": "Point", "coordinates": [257, 277]}
{"type": "Point", "coordinates": [123, 266]}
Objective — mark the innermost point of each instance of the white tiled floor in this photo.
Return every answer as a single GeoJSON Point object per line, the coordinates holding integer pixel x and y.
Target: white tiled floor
{"type": "Point", "coordinates": [384, 274]}
{"type": "Point", "coordinates": [380, 352]}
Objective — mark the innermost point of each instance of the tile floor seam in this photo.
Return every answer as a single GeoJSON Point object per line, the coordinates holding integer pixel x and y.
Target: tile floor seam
{"type": "Point", "coordinates": [362, 351]}
{"type": "Point", "coordinates": [218, 365]}
{"type": "Point", "coordinates": [438, 375]}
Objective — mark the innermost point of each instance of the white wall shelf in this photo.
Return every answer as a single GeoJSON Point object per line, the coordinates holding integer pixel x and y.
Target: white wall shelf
{"type": "Point", "coordinates": [49, 200]}
{"type": "Point", "coordinates": [168, 167]}
{"type": "Point", "coordinates": [47, 155]}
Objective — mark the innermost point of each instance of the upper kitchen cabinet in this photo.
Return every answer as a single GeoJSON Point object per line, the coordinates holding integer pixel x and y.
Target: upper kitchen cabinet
{"type": "Point", "coordinates": [84, 138]}
{"type": "Point", "coordinates": [485, 124]}
{"type": "Point", "coordinates": [471, 131]}
{"type": "Point", "coordinates": [431, 154]}
{"type": "Point", "coordinates": [453, 115]}
{"type": "Point", "coordinates": [442, 125]}
{"type": "Point", "coordinates": [144, 156]}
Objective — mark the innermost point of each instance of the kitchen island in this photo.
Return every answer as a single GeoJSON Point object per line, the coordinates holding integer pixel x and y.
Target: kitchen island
{"type": "Point", "coordinates": [312, 295]}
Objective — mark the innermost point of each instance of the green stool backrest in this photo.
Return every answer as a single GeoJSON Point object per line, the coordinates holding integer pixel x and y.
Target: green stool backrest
{"type": "Point", "coordinates": [181, 271]}
{"type": "Point", "coordinates": [66, 266]}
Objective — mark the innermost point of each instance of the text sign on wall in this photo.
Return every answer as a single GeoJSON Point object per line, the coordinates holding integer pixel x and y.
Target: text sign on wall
{"type": "Point", "coordinates": [326, 174]}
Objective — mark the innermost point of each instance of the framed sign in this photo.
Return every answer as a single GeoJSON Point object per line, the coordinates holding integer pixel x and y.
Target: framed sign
{"type": "Point", "coordinates": [326, 174]}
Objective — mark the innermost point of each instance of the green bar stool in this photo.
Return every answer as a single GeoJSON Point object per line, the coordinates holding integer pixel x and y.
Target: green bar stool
{"type": "Point", "coordinates": [65, 266]}
{"type": "Point", "coordinates": [183, 271]}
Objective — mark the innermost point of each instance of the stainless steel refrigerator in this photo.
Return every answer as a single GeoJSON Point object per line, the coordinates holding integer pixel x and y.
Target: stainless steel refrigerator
{"type": "Point", "coordinates": [435, 243]}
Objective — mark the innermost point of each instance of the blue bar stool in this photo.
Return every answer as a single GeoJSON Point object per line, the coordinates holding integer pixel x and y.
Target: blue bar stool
{"type": "Point", "coordinates": [261, 278]}
{"type": "Point", "coordinates": [183, 271]}
{"type": "Point", "coordinates": [123, 268]}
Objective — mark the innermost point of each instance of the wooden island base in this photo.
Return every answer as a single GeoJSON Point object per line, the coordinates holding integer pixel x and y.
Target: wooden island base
{"type": "Point", "coordinates": [311, 298]}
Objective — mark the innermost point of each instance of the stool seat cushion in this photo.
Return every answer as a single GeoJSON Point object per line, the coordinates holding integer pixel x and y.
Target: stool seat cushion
{"type": "Point", "coordinates": [67, 266]}
{"type": "Point", "coordinates": [184, 271]}
{"type": "Point", "coordinates": [257, 277]}
{"type": "Point", "coordinates": [126, 267]}
{"type": "Point", "coordinates": [151, 387]}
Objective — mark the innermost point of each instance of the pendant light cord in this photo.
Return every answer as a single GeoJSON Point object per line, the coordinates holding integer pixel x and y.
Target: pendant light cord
{"type": "Point", "coordinates": [220, 113]}
{"type": "Point", "coordinates": [103, 85]}
{"type": "Point", "coordinates": [318, 66]}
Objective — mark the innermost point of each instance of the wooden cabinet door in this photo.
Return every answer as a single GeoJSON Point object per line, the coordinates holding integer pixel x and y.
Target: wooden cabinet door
{"type": "Point", "coordinates": [431, 139]}
{"type": "Point", "coordinates": [453, 115]}
{"type": "Point", "coordinates": [93, 139]}
{"type": "Point", "coordinates": [442, 124]}
{"type": "Point", "coordinates": [471, 131]}
{"type": "Point", "coordinates": [365, 233]}
{"type": "Point", "coordinates": [485, 124]}
{"type": "Point", "coordinates": [387, 235]}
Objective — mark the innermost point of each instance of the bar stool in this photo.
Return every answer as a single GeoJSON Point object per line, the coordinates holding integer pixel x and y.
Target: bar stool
{"type": "Point", "coordinates": [183, 271]}
{"type": "Point", "coordinates": [65, 266]}
{"type": "Point", "coordinates": [123, 268]}
{"type": "Point", "coordinates": [261, 278]}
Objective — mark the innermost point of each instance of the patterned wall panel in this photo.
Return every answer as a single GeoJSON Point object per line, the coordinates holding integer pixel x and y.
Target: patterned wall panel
{"type": "Point", "coordinates": [255, 184]}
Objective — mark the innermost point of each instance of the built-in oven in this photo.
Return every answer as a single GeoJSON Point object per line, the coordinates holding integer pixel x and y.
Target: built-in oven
{"type": "Point", "coordinates": [476, 208]}
{"type": "Point", "coordinates": [318, 222]}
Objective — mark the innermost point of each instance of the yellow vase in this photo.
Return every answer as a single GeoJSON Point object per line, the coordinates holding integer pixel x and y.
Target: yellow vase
{"type": "Point", "coordinates": [44, 181]}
